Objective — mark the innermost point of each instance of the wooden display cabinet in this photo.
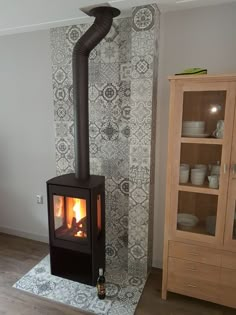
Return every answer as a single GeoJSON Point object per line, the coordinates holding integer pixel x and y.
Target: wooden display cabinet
{"type": "Point", "coordinates": [200, 260]}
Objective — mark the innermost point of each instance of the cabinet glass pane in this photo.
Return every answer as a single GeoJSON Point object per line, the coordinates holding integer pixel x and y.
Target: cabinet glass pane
{"type": "Point", "coordinates": [234, 229]}
{"type": "Point", "coordinates": [200, 165]}
{"type": "Point", "coordinates": [201, 113]}
{"type": "Point", "coordinates": [197, 212]}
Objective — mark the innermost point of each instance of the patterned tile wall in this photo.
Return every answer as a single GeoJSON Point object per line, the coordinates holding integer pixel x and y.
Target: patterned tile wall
{"type": "Point", "coordinates": [144, 60]}
{"type": "Point", "coordinates": [120, 113]}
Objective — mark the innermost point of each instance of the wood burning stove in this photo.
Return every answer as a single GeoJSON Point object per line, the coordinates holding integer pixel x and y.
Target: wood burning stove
{"type": "Point", "coordinates": [76, 202]}
{"type": "Point", "coordinates": [77, 227]}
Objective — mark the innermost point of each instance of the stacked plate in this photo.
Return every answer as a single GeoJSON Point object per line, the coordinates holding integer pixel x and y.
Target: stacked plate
{"type": "Point", "coordinates": [186, 221]}
{"type": "Point", "coordinates": [194, 129]}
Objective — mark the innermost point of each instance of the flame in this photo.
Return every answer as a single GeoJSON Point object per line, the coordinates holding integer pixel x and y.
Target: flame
{"type": "Point", "coordinates": [79, 234]}
{"type": "Point", "coordinates": [77, 210]}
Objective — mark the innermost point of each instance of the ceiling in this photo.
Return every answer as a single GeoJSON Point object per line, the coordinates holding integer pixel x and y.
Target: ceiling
{"type": "Point", "coordinates": [28, 15]}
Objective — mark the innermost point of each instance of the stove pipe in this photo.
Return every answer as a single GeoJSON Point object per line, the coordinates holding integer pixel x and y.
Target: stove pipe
{"type": "Point", "coordinates": [99, 29]}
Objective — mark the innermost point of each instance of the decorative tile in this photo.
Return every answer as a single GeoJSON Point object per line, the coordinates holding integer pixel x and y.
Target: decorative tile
{"type": "Point", "coordinates": [143, 18]}
{"type": "Point", "coordinates": [141, 89]}
{"type": "Point", "coordinates": [109, 52]}
{"type": "Point", "coordinates": [110, 131]}
{"type": "Point", "coordinates": [109, 72]}
{"type": "Point", "coordinates": [122, 292]}
{"type": "Point", "coordinates": [60, 76]}
{"type": "Point", "coordinates": [142, 43]}
{"type": "Point", "coordinates": [125, 72]}
{"type": "Point", "coordinates": [110, 92]}
{"type": "Point", "coordinates": [142, 67]}
{"type": "Point", "coordinates": [73, 33]}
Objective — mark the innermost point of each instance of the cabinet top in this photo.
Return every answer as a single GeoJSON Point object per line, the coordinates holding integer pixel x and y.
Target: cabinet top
{"type": "Point", "coordinates": [206, 77]}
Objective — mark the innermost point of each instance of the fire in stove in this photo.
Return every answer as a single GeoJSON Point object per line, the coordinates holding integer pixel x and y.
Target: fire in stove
{"type": "Point", "coordinates": [70, 217]}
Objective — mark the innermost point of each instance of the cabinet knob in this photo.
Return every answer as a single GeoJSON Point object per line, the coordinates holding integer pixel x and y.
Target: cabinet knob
{"type": "Point", "coordinates": [191, 285]}
{"type": "Point", "coordinates": [234, 169]}
{"type": "Point", "coordinates": [191, 269]}
{"type": "Point", "coordinates": [225, 168]}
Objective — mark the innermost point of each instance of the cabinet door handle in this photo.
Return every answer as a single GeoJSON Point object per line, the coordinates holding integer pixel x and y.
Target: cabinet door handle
{"type": "Point", "coordinates": [225, 168]}
{"type": "Point", "coordinates": [191, 269]}
{"type": "Point", "coordinates": [193, 254]}
{"type": "Point", "coordinates": [191, 285]}
{"type": "Point", "coordinates": [234, 169]}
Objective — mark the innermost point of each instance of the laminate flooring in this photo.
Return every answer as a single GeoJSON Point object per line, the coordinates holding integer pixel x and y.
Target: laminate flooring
{"type": "Point", "coordinates": [18, 256]}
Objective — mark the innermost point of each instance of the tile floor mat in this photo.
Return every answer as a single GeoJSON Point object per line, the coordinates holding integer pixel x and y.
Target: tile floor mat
{"type": "Point", "coordinates": [122, 296]}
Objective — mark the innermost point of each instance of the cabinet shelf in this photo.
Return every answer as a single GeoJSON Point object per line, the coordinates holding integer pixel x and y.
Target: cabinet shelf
{"type": "Point", "coordinates": [202, 140]}
{"type": "Point", "coordinates": [204, 189]}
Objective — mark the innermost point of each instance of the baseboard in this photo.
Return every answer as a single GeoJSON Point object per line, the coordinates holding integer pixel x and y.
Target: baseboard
{"type": "Point", "coordinates": [31, 236]}
{"type": "Point", "coordinates": [157, 264]}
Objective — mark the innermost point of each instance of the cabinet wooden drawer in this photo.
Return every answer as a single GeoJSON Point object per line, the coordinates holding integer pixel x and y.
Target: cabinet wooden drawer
{"type": "Point", "coordinates": [194, 253]}
{"type": "Point", "coordinates": [193, 270]}
{"type": "Point", "coordinates": [228, 287]}
{"type": "Point", "coordinates": [228, 260]}
{"type": "Point", "coordinates": [202, 289]}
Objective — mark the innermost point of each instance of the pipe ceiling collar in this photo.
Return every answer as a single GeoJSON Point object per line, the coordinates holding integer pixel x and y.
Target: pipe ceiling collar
{"type": "Point", "coordinates": [104, 9]}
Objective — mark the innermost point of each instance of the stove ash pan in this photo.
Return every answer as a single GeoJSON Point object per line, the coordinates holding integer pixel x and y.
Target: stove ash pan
{"type": "Point", "coordinates": [76, 213]}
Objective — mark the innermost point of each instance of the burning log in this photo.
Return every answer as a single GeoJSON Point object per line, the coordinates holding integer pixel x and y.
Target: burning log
{"type": "Point", "coordinates": [79, 228]}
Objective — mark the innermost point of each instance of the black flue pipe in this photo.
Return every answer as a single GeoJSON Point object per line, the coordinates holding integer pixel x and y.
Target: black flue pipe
{"type": "Point", "coordinates": [99, 29]}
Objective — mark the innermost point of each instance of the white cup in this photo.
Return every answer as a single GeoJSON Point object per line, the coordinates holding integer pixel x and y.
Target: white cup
{"type": "Point", "coordinates": [183, 176]}
{"type": "Point", "coordinates": [215, 170]}
{"type": "Point", "coordinates": [213, 181]}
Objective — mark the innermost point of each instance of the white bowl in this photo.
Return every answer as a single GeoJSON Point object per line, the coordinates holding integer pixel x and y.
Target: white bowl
{"type": "Point", "coordinates": [200, 166]}
{"type": "Point", "coordinates": [186, 220]}
{"type": "Point", "coordinates": [198, 173]}
{"type": "Point", "coordinates": [194, 123]}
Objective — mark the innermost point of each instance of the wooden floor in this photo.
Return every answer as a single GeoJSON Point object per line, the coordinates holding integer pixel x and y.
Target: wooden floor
{"type": "Point", "coordinates": [17, 256]}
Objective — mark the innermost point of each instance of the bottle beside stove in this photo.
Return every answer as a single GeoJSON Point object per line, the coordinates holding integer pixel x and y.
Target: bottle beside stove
{"type": "Point", "coordinates": [101, 285]}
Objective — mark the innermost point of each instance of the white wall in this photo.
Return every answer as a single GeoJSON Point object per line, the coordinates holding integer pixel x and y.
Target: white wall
{"type": "Point", "coordinates": [27, 149]}
{"type": "Point", "coordinates": [203, 37]}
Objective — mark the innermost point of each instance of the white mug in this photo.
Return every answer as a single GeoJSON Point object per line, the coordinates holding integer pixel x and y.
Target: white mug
{"type": "Point", "coordinates": [213, 181]}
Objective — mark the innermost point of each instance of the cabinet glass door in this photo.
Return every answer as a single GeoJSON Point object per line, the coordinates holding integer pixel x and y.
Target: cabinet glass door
{"type": "Point", "coordinates": [230, 227]}
{"type": "Point", "coordinates": [204, 125]}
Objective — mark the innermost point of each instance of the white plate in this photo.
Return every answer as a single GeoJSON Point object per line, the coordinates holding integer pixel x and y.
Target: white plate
{"type": "Point", "coordinates": [200, 135]}
{"type": "Point", "coordinates": [187, 220]}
